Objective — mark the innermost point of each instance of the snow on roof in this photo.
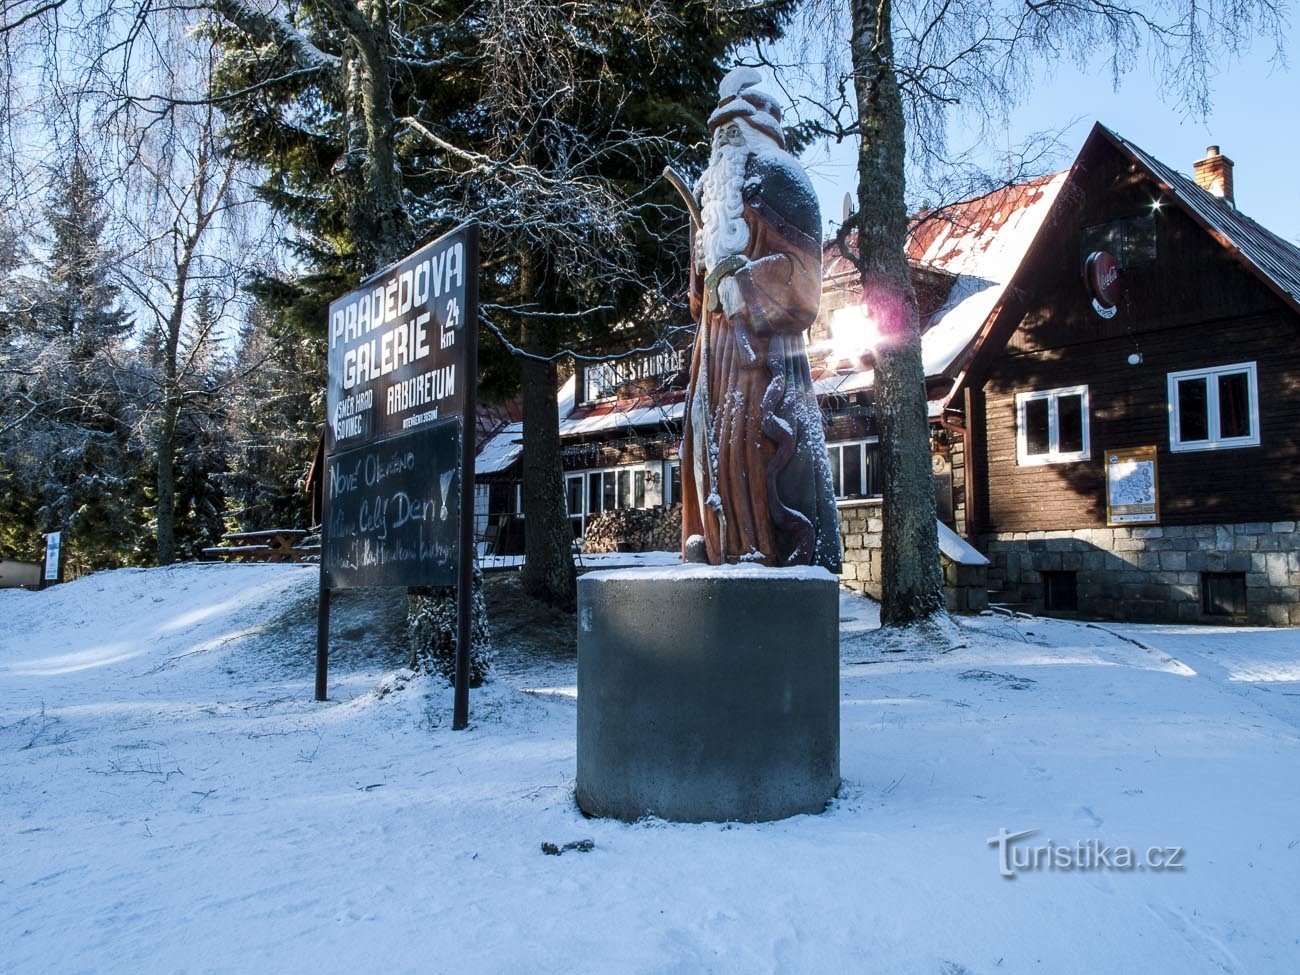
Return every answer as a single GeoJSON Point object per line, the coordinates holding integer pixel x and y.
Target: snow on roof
{"type": "Point", "coordinates": [981, 242]}
{"type": "Point", "coordinates": [852, 382]}
{"type": "Point", "coordinates": [503, 449]}
{"type": "Point", "coordinates": [957, 548]}
{"type": "Point", "coordinates": [500, 450]}
{"type": "Point", "coordinates": [1273, 258]}
{"type": "Point", "coordinates": [626, 414]}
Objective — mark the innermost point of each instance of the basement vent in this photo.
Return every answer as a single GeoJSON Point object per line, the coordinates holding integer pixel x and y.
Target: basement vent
{"type": "Point", "coordinates": [1223, 593]}
{"type": "Point", "coordinates": [1060, 591]}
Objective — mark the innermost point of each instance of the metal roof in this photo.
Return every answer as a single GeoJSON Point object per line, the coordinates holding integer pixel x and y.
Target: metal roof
{"type": "Point", "coordinates": [980, 243]}
{"type": "Point", "coordinates": [1276, 260]}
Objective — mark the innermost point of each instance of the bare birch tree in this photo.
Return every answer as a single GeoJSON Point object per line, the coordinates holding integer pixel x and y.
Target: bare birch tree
{"type": "Point", "coordinates": [189, 249]}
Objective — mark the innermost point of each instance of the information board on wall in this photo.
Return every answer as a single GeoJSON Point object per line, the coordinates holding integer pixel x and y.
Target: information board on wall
{"type": "Point", "coordinates": [1132, 487]}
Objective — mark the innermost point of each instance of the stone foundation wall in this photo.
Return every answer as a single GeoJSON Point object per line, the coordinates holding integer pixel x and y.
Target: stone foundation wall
{"type": "Point", "coordinates": [965, 586]}
{"type": "Point", "coordinates": [1155, 573]}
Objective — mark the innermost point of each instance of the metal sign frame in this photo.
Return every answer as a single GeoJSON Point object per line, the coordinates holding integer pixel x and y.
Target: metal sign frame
{"type": "Point", "coordinates": [365, 436]}
{"type": "Point", "coordinates": [1142, 462]}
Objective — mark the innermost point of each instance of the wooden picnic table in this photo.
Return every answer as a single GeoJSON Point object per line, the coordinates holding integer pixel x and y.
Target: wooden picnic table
{"type": "Point", "coordinates": [267, 545]}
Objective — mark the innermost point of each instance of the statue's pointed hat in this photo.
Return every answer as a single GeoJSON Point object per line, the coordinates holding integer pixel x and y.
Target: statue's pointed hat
{"type": "Point", "coordinates": [740, 97]}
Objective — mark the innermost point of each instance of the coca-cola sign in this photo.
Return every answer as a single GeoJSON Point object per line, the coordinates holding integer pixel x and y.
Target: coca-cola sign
{"type": "Point", "coordinates": [1102, 276]}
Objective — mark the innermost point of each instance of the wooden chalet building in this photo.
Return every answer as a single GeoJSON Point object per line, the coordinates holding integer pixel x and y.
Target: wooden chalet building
{"type": "Point", "coordinates": [1122, 449]}
{"type": "Point", "coordinates": [1140, 460]}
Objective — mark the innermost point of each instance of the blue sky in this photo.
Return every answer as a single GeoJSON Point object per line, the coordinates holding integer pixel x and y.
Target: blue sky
{"type": "Point", "coordinates": [1254, 122]}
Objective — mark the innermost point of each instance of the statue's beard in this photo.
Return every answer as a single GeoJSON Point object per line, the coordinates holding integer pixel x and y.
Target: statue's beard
{"type": "Point", "coordinates": [724, 232]}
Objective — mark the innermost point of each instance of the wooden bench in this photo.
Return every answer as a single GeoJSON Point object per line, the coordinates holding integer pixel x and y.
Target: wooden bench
{"type": "Point", "coordinates": [271, 545]}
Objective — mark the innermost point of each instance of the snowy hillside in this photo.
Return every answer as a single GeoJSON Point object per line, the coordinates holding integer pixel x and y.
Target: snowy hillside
{"type": "Point", "coordinates": [172, 799]}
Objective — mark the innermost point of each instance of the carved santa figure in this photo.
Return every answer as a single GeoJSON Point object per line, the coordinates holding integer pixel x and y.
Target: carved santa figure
{"type": "Point", "coordinates": [755, 478]}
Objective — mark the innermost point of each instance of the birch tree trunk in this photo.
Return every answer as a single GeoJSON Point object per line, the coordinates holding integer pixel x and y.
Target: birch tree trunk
{"type": "Point", "coordinates": [165, 444]}
{"type": "Point", "coordinates": [912, 584]}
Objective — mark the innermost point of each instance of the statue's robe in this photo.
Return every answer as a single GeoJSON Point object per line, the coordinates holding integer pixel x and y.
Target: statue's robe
{"type": "Point", "coordinates": [770, 481]}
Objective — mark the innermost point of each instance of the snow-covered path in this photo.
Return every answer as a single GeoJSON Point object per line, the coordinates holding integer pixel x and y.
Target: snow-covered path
{"type": "Point", "coordinates": [171, 799]}
{"type": "Point", "coordinates": [1260, 665]}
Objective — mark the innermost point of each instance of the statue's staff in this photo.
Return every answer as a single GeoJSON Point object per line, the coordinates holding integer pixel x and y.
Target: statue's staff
{"type": "Point", "coordinates": [699, 405]}
{"type": "Point", "coordinates": [692, 204]}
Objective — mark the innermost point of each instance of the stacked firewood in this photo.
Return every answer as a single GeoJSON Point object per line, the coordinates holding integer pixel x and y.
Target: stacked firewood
{"type": "Point", "coordinates": [635, 530]}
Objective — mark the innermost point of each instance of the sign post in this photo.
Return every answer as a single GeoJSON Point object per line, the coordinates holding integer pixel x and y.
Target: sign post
{"type": "Point", "coordinates": [465, 579]}
{"type": "Point", "coordinates": [398, 483]}
{"type": "Point", "coordinates": [52, 571]}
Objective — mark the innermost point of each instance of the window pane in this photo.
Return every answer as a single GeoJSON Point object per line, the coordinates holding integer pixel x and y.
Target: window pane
{"type": "Point", "coordinates": [638, 489]}
{"type": "Point", "coordinates": [1234, 405]}
{"type": "Point", "coordinates": [1069, 418]}
{"type": "Point", "coordinates": [1130, 240]}
{"type": "Point", "coordinates": [852, 469]}
{"type": "Point", "coordinates": [610, 499]}
{"type": "Point", "coordinates": [499, 493]}
{"type": "Point", "coordinates": [625, 489]}
{"type": "Point", "coordinates": [574, 496]}
{"type": "Point", "coordinates": [834, 453]}
{"type": "Point", "coordinates": [593, 493]}
{"type": "Point", "coordinates": [1193, 411]}
{"type": "Point", "coordinates": [872, 472]}
{"type": "Point", "coordinates": [1036, 439]}
{"type": "Point", "coordinates": [676, 476]}
{"type": "Point", "coordinates": [1139, 240]}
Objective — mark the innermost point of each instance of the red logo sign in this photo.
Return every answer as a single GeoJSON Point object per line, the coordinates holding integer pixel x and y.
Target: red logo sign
{"type": "Point", "coordinates": [1102, 276]}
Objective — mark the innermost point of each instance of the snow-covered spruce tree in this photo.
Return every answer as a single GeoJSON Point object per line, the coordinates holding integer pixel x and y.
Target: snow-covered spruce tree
{"type": "Point", "coordinates": [548, 123]}
{"type": "Point", "coordinates": [18, 499]}
{"type": "Point", "coordinates": [431, 631]}
{"type": "Point", "coordinates": [80, 302]}
{"type": "Point", "coordinates": [65, 445]}
{"type": "Point", "coordinates": [272, 424]}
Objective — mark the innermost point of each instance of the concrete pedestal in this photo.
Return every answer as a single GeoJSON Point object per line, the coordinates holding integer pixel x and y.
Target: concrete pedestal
{"type": "Point", "coordinates": [708, 693]}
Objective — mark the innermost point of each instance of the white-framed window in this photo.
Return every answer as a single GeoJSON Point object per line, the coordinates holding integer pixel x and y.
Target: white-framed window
{"type": "Point", "coordinates": [1215, 408]}
{"type": "Point", "coordinates": [1052, 426]}
{"type": "Point", "coordinates": [855, 468]}
{"type": "Point", "coordinates": [590, 492]}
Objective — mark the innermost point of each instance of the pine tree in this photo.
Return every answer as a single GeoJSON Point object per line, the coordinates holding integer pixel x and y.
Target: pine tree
{"type": "Point", "coordinates": [65, 429]}
{"type": "Point", "coordinates": [271, 424]}
{"type": "Point", "coordinates": [548, 123]}
{"type": "Point", "coordinates": [80, 304]}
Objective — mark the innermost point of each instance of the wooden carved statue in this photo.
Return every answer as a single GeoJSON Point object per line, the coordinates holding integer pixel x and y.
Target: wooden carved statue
{"type": "Point", "coordinates": [756, 483]}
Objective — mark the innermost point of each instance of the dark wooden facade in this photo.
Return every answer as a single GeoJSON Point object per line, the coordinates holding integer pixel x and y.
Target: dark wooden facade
{"type": "Point", "coordinates": [1195, 305]}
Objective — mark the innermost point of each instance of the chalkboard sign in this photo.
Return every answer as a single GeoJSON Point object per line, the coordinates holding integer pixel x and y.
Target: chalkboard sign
{"type": "Point", "coordinates": [393, 511]}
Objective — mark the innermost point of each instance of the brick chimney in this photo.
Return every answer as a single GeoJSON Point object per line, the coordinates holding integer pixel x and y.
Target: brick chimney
{"type": "Point", "coordinates": [1214, 174]}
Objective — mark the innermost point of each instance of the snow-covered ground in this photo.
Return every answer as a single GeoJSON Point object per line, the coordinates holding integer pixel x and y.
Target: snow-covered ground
{"type": "Point", "coordinates": [172, 799]}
